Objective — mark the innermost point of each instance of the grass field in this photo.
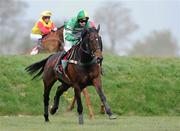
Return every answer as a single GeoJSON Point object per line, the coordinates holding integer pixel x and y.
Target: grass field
{"type": "Point", "coordinates": [143, 91]}
{"type": "Point", "coordinates": [134, 86]}
{"type": "Point", "coordinates": [68, 122]}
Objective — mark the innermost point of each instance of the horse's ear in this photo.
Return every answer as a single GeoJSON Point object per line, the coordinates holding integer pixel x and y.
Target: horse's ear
{"type": "Point", "coordinates": [98, 28]}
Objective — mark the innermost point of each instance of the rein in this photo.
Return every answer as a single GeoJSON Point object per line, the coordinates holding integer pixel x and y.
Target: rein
{"type": "Point", "coordinates": [93, 61]}
{"type": "Point", "coordinates": [46, 39]}
{"type": "Point", "coordinates": [84, 46]}
{"type": "Point", "coordinates": [78, 62]}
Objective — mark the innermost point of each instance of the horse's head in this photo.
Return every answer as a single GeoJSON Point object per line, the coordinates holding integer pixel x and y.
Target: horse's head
{"type": "Point", "coordinates": [92, 44]}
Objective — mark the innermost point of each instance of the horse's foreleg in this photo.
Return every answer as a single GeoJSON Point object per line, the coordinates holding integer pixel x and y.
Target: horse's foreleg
{"type": "Point", "coordinates": [48, 83]}
{"type": "Point", "coordinates": [88, 103]}
{"type": "Point", "coordinates": [77, 91]}
{"type": "Point", "coordinates": [59, 92]}
{"type": "Point", "coordinates": [98, 86]}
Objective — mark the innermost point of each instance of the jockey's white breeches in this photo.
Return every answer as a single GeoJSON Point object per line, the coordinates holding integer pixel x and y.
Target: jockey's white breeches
{"type": "Point", "coordinates": [67, 44]}
{"type": "Point", "coordinates": [35, 37]}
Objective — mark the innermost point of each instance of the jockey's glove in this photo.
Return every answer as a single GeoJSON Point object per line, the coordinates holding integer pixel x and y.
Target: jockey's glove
{"type": "Point", "coordinates": [53, 30]}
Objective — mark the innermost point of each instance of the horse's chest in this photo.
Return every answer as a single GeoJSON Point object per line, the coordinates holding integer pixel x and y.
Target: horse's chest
{"type": "Point", "coordinates": [87, 77]}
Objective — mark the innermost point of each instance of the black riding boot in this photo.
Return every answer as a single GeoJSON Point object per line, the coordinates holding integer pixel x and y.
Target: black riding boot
{"type": "Point", "coordinates": [56, 68]}
{"type": "Point", "coordinates": [102, 70]}
{"type": "Point", "coordinates": [39, 45]}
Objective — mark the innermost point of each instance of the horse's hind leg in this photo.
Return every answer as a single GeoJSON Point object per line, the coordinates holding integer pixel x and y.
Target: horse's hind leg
{"type": "Point", "coordinates": [88, 102]}
{"type": "Point", "coordinates": [64, 87]}
{"type": "Point", "coordinates": [71, 106]}
{"type": "Point", "coordinates": [47, 88]}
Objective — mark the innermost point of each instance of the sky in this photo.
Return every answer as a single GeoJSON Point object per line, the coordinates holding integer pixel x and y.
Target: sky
{"type": "Point", "coordinates": [150, 15]}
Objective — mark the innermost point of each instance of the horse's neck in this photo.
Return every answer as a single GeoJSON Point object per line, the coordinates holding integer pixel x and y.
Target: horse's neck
{"type": "Point", "coordinates": [81, 56]}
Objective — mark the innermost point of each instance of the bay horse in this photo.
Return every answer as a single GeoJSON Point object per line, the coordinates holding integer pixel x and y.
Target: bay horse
{"type": "Point", "coordinates": [54, 42]}
{"type": "Point", "coordinates": [83, 69]}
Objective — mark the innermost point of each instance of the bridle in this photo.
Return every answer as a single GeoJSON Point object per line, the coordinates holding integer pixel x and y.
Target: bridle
{"type": "Point", "coordinates": [87, 43]}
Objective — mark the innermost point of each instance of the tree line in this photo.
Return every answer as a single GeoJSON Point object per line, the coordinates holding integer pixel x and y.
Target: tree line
{"type": "Point", "coordinates": [117, 26]}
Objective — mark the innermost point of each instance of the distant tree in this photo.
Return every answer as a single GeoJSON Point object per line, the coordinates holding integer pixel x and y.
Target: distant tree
{"type": "Point", "coordinates": [10, 24]}
{"type": "Point", "coordinates": [158, 43]}
{"type": "Point", "coordinates": [116, 22]}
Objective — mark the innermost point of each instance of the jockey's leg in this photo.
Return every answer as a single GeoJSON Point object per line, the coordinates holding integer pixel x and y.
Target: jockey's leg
{"type": "Point", "coordinates": [39, 44]}
{"type": "Point", "coordinates": [35, 38]}
{"type": "Point", "coordinates": [67, 44]}
{"type": "Point", "coordinates": [67, 47]}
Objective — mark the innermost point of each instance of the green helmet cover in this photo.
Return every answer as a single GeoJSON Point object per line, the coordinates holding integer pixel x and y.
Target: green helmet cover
{"type": "Point", "coordinates": [82, 14]}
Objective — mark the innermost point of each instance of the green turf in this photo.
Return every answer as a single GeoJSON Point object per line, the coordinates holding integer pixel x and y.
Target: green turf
{"type": "Point", "coordinates": [68, 122]}
{"type": "Point", "coordinates": [144, 86]}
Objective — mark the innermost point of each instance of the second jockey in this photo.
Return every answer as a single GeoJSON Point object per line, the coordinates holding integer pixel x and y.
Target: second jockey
{"type": "Point", "coordinates": [72, 33]}
{"type": "Point", "coordinates": [42, 27]}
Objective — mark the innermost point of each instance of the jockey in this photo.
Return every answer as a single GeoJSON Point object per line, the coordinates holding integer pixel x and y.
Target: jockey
{"type": "Point", "coordinates": [72, 30]}
{"type": "Point", "coordinates": [42, 27]}
{"type": "Point", "coordinates": [74, 26]}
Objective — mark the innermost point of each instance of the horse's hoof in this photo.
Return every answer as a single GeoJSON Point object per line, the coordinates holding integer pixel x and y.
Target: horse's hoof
{"type": "Point", "coordinates": [53, 110]}
{"type": "Point", "coordinates": [112, 117]}
{"type": "Point", "coordinates": [91, 117]}
{"type": "Point", "coordinates": [102, 109]}
{"type": "Point", "coordinates": [81, 121]}
{"type": "Point", "coordinates": [69, 109]}
{"type": "Point", "coordinates": [46, 118]}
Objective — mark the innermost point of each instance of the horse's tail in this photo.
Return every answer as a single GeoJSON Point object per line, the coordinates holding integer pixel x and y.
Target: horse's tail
{"type": "Point", "coordinates": [33, 68]}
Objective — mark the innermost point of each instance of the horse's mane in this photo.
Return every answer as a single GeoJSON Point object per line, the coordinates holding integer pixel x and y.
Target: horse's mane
{"type": "Point", "coordinates": [92, 29]}
{"type": "Point", "coordinates": [60, 27]}
{"type": "Point", "coordinates": [88, 30]}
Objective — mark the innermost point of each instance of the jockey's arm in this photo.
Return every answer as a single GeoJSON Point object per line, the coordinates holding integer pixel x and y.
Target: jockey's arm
{"type": "Point", "coordinates": [69, 28]}
{"type": "Point", "coordinates": [70, 36]}
{"type": "Point", "coordinates": [43, 29]}
{"type": "Point", "coordinates": [53, 27]}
